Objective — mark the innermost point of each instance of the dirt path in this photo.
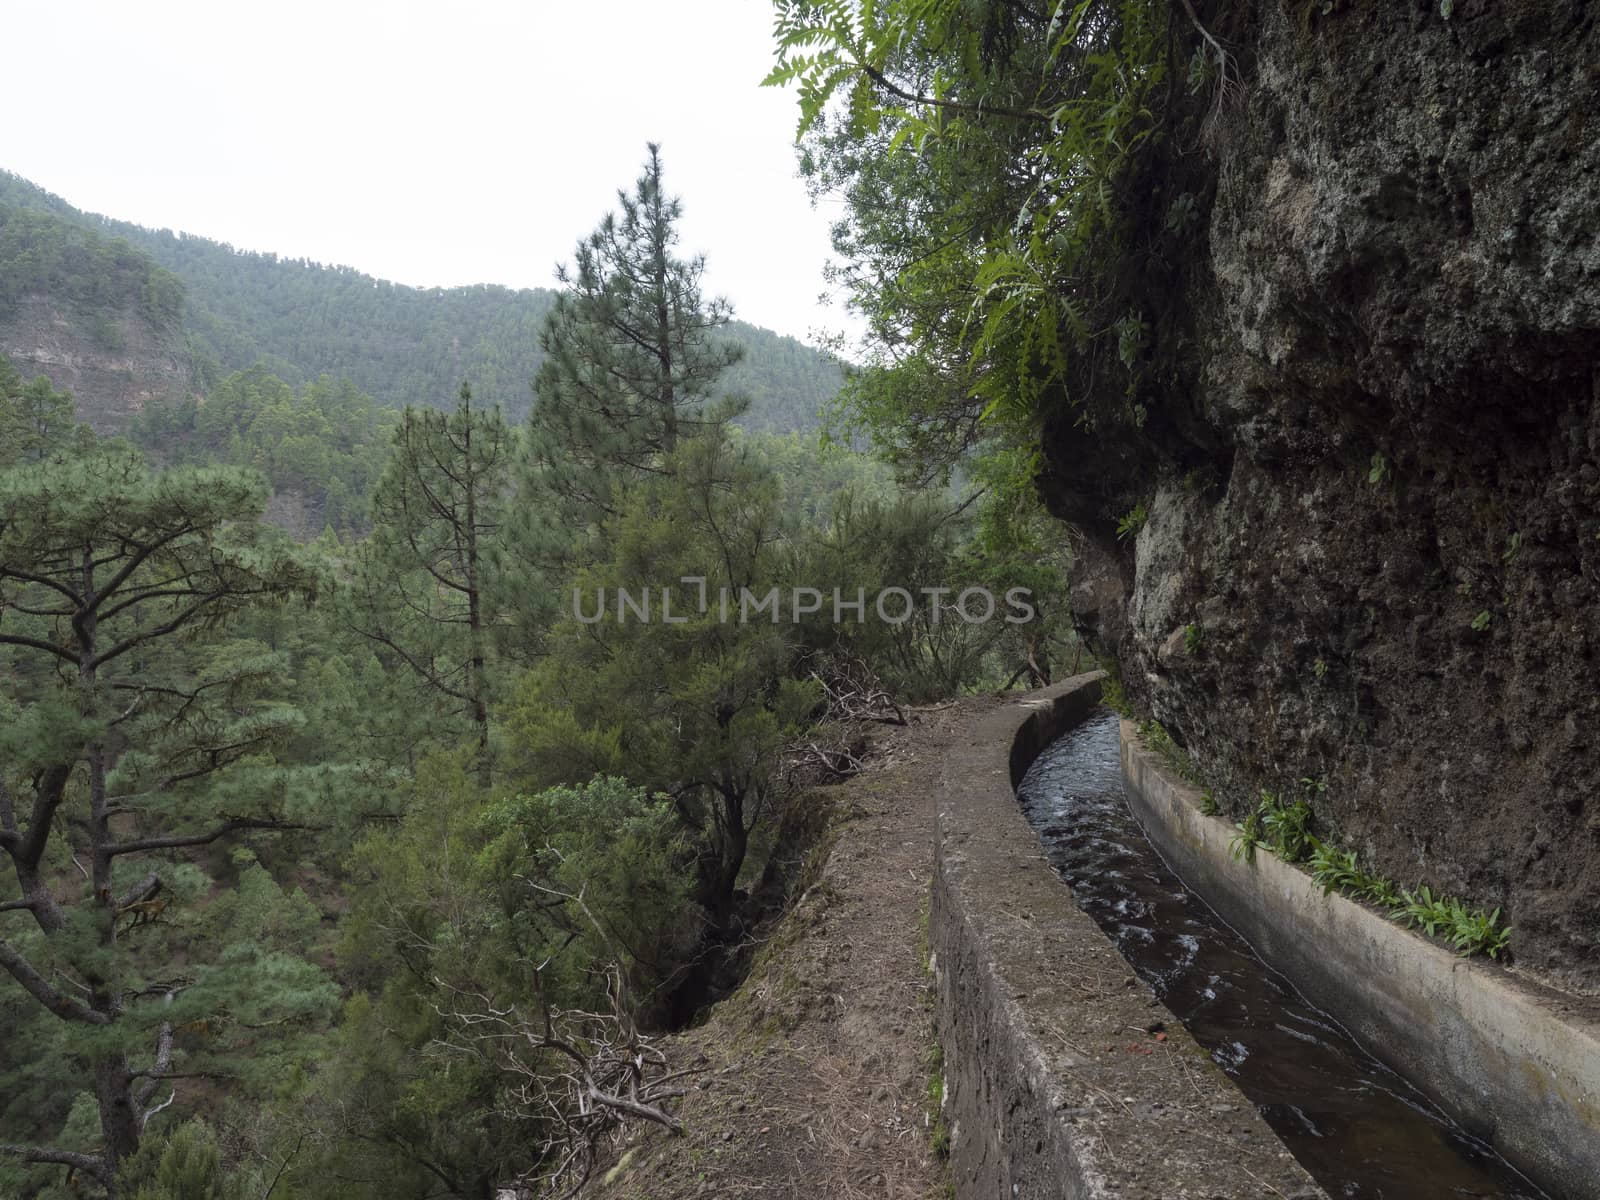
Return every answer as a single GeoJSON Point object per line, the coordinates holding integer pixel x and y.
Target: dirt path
{"type": "Point", "coordinates": [815, 1075]}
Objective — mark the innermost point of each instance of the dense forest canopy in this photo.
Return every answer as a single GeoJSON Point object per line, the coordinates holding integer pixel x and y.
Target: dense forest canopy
{"type": "Point", "coordinates": [42, 254]}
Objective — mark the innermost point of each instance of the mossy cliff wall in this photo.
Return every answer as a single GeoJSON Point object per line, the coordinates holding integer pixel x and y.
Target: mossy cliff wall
{"type": "Point", "coordinates": [1372, 478]}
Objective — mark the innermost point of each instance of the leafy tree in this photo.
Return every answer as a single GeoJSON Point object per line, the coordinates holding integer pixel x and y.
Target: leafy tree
{"type": "Point", "coordinates": [122, 746]}
{"type": "Point", "coordinates": [630, 364]}
{"type": "Point", "coordinates": [426, 587]}
{"type": "Point", "coordinates": [1016, 224]}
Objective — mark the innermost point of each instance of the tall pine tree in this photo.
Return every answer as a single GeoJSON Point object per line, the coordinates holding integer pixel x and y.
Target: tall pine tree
{"type": "Point", "coordinates": [129, 737]}
{"type": "Point", "coordinates": [426, 587]}
{"type": "Point", "coordinates": [632, 363]}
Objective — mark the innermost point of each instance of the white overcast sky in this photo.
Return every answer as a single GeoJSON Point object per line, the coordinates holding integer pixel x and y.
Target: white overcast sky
{"type": "Point", "coordinates": [428, 143]}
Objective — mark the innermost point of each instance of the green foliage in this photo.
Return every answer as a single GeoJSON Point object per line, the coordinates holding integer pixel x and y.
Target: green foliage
{"type": "Point", "coordinates": [619, 849]}
{"type": "Point", "coordinates": [1469, 931]}
{"type": "Point", "coordinates": [36, 421]}
{"type": "Point", "coordinates": [721, 703]}
{"type": "Point", "coordinates": [1379, 470]}
{"type": "Point", "coordinates": [1177, 759]}
{"type": "Point", "coordinates": [1282, 825]}
{"type": "Point", "coordinates": [1478, 932]}
{"type": "Point", "coordinates": [1250, 837]}
{"type": "Point", "coordinates": [431, 587]}
{"type": "Point", "coordinates": [1112, 694]}
{"type": "Point", "coordinates": [632, 363]}
{"type": "Point", "coordinates": [326, 443]}
{"type": "Point", "coordinates": [1422, 908]}
{"type": "Point", "coordinates": [1129, 525]}
{"type": "Point", "coordinates": [41, 253]}
{"type": "Point", "coordinates": [1482, 621]}
{"type": "Point", "coordinates": [1194, 636]}
{"type": "Point", "coordinates": [145, 731]}
{"type": "Point", "coordinates": [935, 550]}
{"type": "Point", "coordinates": [984, 153]}
{"type": "Point", "coordinates": [1336, 870]}
{"type": "Point", "coordinates": [187, 1166]}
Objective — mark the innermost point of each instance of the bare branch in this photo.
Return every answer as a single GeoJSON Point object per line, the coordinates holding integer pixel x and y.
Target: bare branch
{"type": "Point", "coordinates": [150, 1112]}
{"type": "Point", "coordinates": [158, 1069]}
{"type": "Point", "coordinates": [231, 825]}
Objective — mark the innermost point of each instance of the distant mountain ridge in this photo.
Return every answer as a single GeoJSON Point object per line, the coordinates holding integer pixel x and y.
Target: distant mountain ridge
{"type": "Point", "coordinates": [124, 315]}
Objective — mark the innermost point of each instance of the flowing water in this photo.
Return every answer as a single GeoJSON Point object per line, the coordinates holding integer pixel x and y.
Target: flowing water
{"type": "Point", "coordinates": [1359, 1128]}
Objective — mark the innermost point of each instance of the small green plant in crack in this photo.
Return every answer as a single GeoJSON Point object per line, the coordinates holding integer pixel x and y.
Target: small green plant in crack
{"type": "Point", "coordinates": [1194, 637]}
{"type": "Point", "coordinates": [1114, 697]}
{"type": "Point", "coordinates": [1378, 470]}
{"type": "Point", "coordinates": [1421, 908]}
{"type": "Point", "coordinates": [1470, 932]}
{"type": "Point", "coordinates": [1379, 891]}
{"type": "Point", "coordinates": [1513, 548]}
{"type": "Point", "coordinates": [1478, 932]}
{"type": "Point", "coordinates": [1177, 759]}
{"type": "Point", "coordinates": [1336, 870]}
{"type": "Point", "coordinates": [1288, 828]}
{"type": "Point", "coordinates": [1283, 826]}
{"type": "Point", "coordinates": [1249, 838]}
{"type": "Point", "coordinates": [1482, 621]}
{"type": "Point", "coordinates": [1208, 804]}
{"type": "Point", "coordinates": [939, 1136]}
{"type": "Point", "coordinates": [1132, 522]}
{"type": "Point", "coordinates": [1320, 668]}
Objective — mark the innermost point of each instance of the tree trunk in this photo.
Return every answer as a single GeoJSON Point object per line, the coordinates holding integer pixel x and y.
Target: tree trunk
{"type": "Point", "coordinates": [119, 1115]}
{"type": "Point", "coordinates": [475, 670]}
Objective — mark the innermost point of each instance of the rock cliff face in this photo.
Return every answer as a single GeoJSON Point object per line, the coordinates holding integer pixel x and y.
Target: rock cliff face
{"type": "Point", "coordinates": [113, 362]}
{"type": "Point", "coordinates": [1372, 551]}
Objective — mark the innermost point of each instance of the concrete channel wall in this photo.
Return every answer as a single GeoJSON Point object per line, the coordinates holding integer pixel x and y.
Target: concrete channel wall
{"type": "Point", "coordinates": [1517, 1064]}
{"type": "Point", "coordinates": [1064, 1077]}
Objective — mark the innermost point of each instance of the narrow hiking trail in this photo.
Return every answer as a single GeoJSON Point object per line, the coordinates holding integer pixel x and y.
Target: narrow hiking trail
{"type": "Point", "coordinates": [814, 1075]}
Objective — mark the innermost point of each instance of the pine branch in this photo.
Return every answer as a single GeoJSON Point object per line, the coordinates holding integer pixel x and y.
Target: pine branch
{"type": "Point", "coordinates": [89, 1164]}
{"type": "Point", "coordinates": [37, 986]}
{"type": "Point", "coordinates": [231, 825]}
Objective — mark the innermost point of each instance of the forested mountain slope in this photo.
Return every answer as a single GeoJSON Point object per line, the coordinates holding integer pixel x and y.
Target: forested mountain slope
{"type": "Point", "coordinates": [96, 303]}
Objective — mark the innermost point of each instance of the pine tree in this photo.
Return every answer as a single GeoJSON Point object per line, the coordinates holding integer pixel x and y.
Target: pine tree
{"type": "Point", "coordinates": [426, 589]}
{"type": "Point", "coordinates": [696, 702]}
{"type": "Point", "coordinates": [126, 739]}
{"type": "Point", "coordinates": [36, 421]}
{"type": "Point", "coordinates": [632, 363]}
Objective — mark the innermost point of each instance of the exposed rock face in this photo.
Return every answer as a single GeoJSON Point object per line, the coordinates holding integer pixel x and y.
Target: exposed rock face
{"type": "Point", "coordinates": [1403, 262]}
{"type": "Point", "coordinates": [113, 363]}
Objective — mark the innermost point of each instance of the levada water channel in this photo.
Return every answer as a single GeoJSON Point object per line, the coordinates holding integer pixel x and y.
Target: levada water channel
{"type": "Point", "coordinates": [1360, 1129]}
